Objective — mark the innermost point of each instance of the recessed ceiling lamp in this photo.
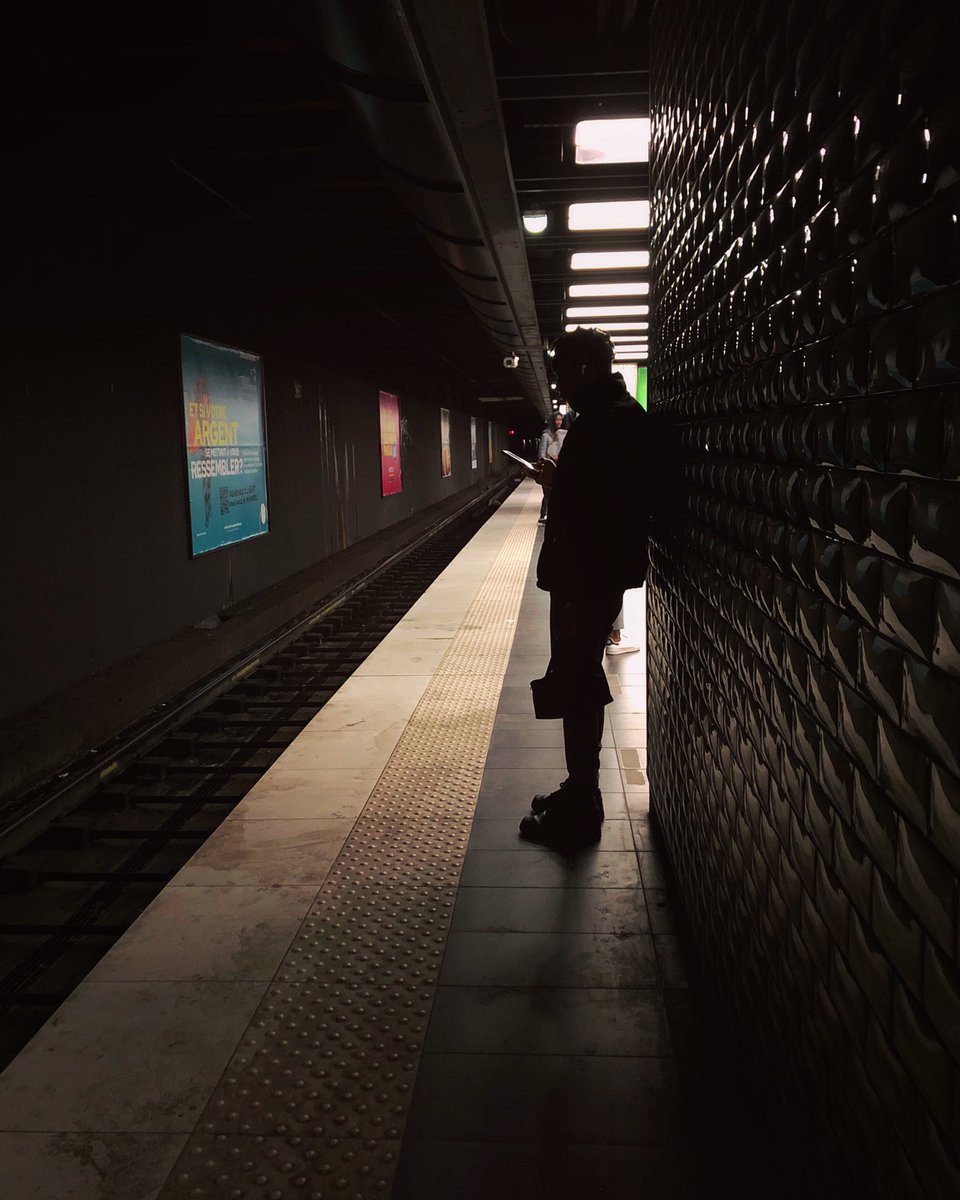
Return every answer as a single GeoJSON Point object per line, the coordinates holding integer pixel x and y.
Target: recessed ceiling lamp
{"type": "Point", "coordinates": [609, 214]}
{"type": "Point", "coordinates": [608, 289]}
{"type": "Point", "coordinates": [608, 260]}
{"type": "Point", "coordinates": [608, 310]}
{"type": "Point", "coordinates": [535, 221]}
{"type": "Point", "coordinates": [619, 141]}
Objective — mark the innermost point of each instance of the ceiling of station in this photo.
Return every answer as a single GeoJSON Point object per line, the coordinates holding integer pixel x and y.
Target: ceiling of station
{"type": "Point", "coordinates": [557, 65]}
{"type": "Point", "coordinates": [219, 116]}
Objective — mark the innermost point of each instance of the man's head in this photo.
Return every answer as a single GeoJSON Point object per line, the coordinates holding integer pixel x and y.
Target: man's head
{"type": "Point", "coordinates": [558, 420]}
{"type": "Point", "coordinates": [581, 358]}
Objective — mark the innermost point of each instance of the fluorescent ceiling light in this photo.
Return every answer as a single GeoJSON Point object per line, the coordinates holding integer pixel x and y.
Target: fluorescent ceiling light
{"type": "Point", "coordinates": [610, 327]}
{"type": "Point", "coordinates": [619, 141]}
{"type": "Point", "coordinates": [631, 338]}
{"type": "Point", "coordinates": [608, 289]}
{"type": "Point", "coordinates": [609, 310]}
{"type": "Point", "coordinates": [609, 214]}
{"type": "Point", "coordinates": [535, 222]}
{"type": "Point", "coordinates": [630, 352]}
{"type": "Point", "coordinates": [608, 260]}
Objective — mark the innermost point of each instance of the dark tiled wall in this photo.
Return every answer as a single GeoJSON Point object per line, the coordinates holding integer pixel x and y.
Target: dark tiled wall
{"type": "Point", "coordinates": [805, 615]}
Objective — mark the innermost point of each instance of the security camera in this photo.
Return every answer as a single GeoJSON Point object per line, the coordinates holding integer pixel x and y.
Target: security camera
{"type": "Point", "coordinates": [511, 362]}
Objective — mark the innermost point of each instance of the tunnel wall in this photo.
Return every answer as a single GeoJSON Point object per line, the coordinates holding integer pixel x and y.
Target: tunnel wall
{"type": "Point", "coordinates": [804, 615]}
{"type": "Point", "coordinates": [95, 478]}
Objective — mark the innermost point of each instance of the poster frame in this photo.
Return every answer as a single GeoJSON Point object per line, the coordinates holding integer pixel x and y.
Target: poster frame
{"type": "Point", "coordinates": [185, 433]}
{"type": "Point", "coordinates": [449, 443]}
{"type": "Point", "coordinates": [395, 396]}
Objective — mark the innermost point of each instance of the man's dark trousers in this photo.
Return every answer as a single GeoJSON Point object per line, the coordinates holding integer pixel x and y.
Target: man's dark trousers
{"type": "Point", "coordinates": [578, 636]}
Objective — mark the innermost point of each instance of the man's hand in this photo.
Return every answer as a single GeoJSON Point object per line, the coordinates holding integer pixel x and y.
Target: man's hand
{"type": "Point", "coordinates": [545, 471]}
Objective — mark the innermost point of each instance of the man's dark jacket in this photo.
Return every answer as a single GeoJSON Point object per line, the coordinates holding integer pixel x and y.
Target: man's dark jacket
{"type": "Point", "coordinates": [596, 533]}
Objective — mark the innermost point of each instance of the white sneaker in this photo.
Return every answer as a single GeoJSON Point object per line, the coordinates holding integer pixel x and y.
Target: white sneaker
{"type": "Point", "coordinates": [622, 647]}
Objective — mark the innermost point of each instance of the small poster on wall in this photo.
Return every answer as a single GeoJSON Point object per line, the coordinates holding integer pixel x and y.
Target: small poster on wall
{"type": "Point", "coordinates": [473, 443]}
{"type": "Point", "coordinates": [490, 443]}
{"type": "Point", "coordinates": [446, 457]}
{"type": "Point", "coordinates": [391, 479]}
{"type": "Point", "coordinates": [225, 443]}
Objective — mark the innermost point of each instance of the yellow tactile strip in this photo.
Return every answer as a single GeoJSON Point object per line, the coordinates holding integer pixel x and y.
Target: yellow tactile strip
{"type": "Point", "coordinates": [313, 1103]}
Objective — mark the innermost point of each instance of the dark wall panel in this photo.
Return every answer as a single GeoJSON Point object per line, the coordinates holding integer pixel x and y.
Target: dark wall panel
{"type": "Point", "coordinates": [805, 614]}
{"type": "Point", "coordinates": [96, 553]}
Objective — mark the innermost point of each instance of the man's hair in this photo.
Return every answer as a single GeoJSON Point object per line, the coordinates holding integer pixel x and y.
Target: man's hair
{"type": "Point", "coordinates": [592, 347]}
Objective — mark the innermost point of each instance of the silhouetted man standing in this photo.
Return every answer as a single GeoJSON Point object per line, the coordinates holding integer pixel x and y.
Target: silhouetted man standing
{"type": "Point", "coordinates": [594, 548]}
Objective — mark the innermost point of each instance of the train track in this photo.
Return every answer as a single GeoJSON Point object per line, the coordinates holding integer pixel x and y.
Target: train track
{"type": "Point", "coordinates": [70, 892]}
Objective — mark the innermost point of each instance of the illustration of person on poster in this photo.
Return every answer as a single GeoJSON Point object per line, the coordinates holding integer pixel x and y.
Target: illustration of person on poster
{"type": "Point", "coordinates": [473, 443]}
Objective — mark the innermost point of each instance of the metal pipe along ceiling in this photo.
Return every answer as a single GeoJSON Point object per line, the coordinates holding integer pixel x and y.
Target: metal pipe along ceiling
{"type": "Point", "coordinates": [366, 54]}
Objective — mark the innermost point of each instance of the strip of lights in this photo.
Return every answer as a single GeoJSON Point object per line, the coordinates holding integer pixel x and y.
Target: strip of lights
{"type": "Point", "coordinates": [609, 214]}
{"type": "Point", "coordinates": [610, 326]}
{"type": "Point", "coordinates": [638, 288]}
{"type": "Point", "coordinates": [608, 260]}
{"type": "Point", "coordinates": [608, 310]}
{"type": "Point", "coordinates": [616, 140]}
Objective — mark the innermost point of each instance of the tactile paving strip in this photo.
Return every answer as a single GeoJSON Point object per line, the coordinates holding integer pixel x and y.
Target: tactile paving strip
{"type": "Point", "coordinates": [314, 1101]}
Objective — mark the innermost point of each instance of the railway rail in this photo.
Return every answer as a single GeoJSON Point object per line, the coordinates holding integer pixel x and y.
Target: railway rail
{"type": "Point", "coordinates": [112, 840]}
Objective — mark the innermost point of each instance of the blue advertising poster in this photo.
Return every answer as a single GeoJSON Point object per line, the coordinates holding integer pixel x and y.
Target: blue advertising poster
{"type": "Point", "coordinates": [226, 448]}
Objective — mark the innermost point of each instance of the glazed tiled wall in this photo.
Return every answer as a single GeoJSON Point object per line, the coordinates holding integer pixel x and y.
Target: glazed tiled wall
{"type": "Point", "coordinates": [804, 615]}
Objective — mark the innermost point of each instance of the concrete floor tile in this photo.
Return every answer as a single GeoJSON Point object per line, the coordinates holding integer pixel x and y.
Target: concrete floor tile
{"type": "Point", "coordinates": [432, 1170]}
{"type": "Point", "coordinates": [502, 834]}
{"type": "Point", "coordinates": [360, 749]}
{"type": "Point", "coordinates": [195, 933]}
{"type": "Point", "coordinates": [548, 1098]}
{"type": "Point", "coordinates": [547, 868]}
{"type": "Point", "coordinates": [638, 802]}
{"type": "Point", "coordinates": [265, 853]}
{"type": "Point", "coordinates": [561, 960]}
{"type": "Point", "coordinates": [370, 702]}
{"type": "Point", "coordinates": [337, 793]}
{"type": "Point", "coordinates": [405, 655]}
{"type": "Point", "coordinates": [535, 736]}
{"type": "Point", "coordinates": [494, 805]}
{"type": "Point", "coordinates": [551, 910]}
{"type": "Point", "coordinates": [528, 758]}
{"type": "Point", "coordinates": [516, 700]}
{"type": "Point", "coordinates": [619, 719]}
{"type": "Point", "coordinates": [660, 908]}
{"type": "Point", "coordinates": [652, 872]}
{"type": "Point", "coordinates": [87, 1166]}
{"type": "Point", "coordinates": [127, 1057]}
{"type": "Point", "coordinates": [622, 1022]}
{"type": "Point", "coordinates": [671, 960]}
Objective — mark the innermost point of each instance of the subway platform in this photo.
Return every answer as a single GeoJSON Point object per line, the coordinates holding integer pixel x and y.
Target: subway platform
{"type": "Point", "coordinates": [365, 985]}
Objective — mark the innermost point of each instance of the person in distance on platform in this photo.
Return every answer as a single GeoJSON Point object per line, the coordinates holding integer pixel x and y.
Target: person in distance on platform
{"type": "Point", "coordinates": [550, 442]}
{"type": "Point", "coordinates": [594, 547]}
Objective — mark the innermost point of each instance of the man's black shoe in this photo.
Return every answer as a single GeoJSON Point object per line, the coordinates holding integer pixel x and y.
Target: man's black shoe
{"type": "Point", "coordinates": [566, 827]}
{"type": "Point", "coordinates": [543, 801]}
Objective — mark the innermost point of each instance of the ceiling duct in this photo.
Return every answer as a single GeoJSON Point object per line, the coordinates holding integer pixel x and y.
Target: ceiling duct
{"type": "Point", "coordinates": [432, 118]}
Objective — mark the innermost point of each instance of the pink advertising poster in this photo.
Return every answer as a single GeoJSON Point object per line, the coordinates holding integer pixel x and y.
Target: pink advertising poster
{"type": "Point", "coordinates": [390, 477]}
{"type": "Point", "coordinates": [446, 456]}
